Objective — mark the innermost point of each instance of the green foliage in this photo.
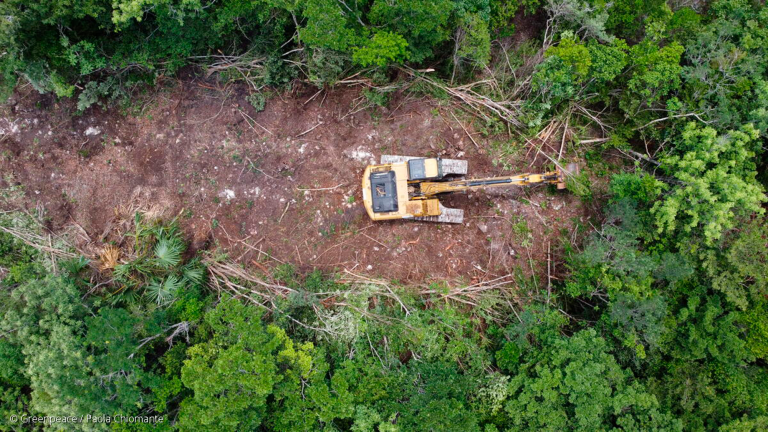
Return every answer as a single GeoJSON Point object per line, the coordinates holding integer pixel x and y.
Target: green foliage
{"type": "Point", "coordinates": [705, 327]}
{"type": "Point", "coordinates": [607, 62]}
{"type": "Point", "coordinates": [376, 98]}
{"type": "Point", "coordinates": [13, 398]}
{"type": "Point", "coordinates": [618, 243]}
{"type": "Point", "coordinates": [655, 73]}
{"type": "Point", "coordinates": [168, 252]}
{"type": "Point", "coordinates": [508, 357]}
{"type": "Point", "coordinates": [164, 291]}
{"type": "Point", "coordinates": [575, 383]}
{"type": "Point", "coordinates": [422, 23]}
{"type": "Point", "coordinates": [328, 26]}
{"type": "Point", "coordinates": [45, 318]}
{"type": "Point", "coordinates": [537, 326]}
{"type": "Point", "coordinates": [94, 91]}
{"type": "Point", "coordinates": [574, 69]}
{"type": "Point", "coordinates": [84, 56]}
{"type": "Point", "coordinates": [435, 400]}
{"type": "Point", "coordinates": [233, 373]}
{"type": "Point", "coordinates": [126, 10]}
{"type": "Point", "coordinates": [626, 16]}
{"type": "Point", "coordinates": [257, 100]}
{"type": "Point", "coordinates": [708, 395]}
{"type": "Point", "coordinates": [638, 323]}
{"type": "Point", "coordinates": [725, 75]}
{"type": "Point", "coordinates": [502, 13]}
{"type": "Point", "coordinates": [738, 267]}
{"type": "Point", "coordinates": [382, 49]}
{"type": "Point", "coordinates": [170, 387]}
{"type": "Point", "coordinates": [574, 54]}
{"type": "Point", "coordinates": [581, 17]}
{"type": "Point", "coordinates": [19, 260]}
{"type": "Point", "coordinates": [691, 322]}
{"type": "Point", "coordinates": [658, 321]}
{"type": "Point", "coordinates": [718, 183]}
{"type": "Point", "coordinates": [554, 81]}
{"type": "Point", "coordinates": [100, 45]}
{"type": "Point", "coordinates": [157, 267]}
{"type": "Point", "coordinates": [756, 322]}
{"type": "Point", "coordinates": [640, 187]}
{"type": "Point", "coordinates": [326, 66]}
{"type": "Point", "coordinates": [475, 41]}
{"type": "Point", "coordinates": [63, 353]}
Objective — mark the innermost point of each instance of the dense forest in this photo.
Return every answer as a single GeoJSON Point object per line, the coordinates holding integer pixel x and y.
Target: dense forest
{"type": "Point", "coordinates": [660, 324]}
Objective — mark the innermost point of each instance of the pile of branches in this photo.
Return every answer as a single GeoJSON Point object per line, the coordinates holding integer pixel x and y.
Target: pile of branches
{"type": "Point", "coordinates": [249, 67]}
{"type": "Point", "coordinates": [240, 282]}
{"type": "Point", "coordinates": [507, 110]}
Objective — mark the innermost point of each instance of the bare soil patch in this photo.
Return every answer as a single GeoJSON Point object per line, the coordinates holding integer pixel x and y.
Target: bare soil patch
{"type": "Point", "coordinates": [258, 186]}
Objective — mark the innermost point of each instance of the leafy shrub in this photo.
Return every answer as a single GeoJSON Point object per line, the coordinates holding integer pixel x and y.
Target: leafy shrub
{"type": "Point", "coordinates": [233, 375]}
{"type": "Point", "coordinates": [376, 97]}
{"type": "Point", "coordinates": [424, 24]}
{"type": "Point", "coordinates": [655, 73]}
{"type": "Point", "coordinates": [626, 16]}
{"type": "Point", "coordinates": [575, 383]}
{"type": "Point", "coordinates": [257, 100]}
{"type": "Point", "coordinates": [572, 53]}
{"type": "Point", "coordinates": [718, 183]}
{"type": "Point", "coordinates": [474, 45]}
{"type": "Point", "coordinates": [19, 261]}
{"type": "Point", "coordinates": [382, 49]}
{"type": "Point", "coordinates": [640, 187]}
{"type": "Point", "coordinates": [326, 66]}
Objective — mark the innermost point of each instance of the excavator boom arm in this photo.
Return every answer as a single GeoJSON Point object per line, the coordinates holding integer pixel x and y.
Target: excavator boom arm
{"type": "Point", "coordinates": [429, 189]}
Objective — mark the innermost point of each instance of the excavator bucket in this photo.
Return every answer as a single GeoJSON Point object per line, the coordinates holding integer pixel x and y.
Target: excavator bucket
{"type": "Point", "coordinates": [572, 169]}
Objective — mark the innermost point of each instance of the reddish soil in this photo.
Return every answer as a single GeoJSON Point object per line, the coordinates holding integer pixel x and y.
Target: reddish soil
{"type": "Point", "coordinates": [189, 149]}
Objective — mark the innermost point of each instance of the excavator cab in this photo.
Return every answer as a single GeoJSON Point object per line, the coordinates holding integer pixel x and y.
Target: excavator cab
{"type": "Point", "coordinates": [384, 192]}
{"type": "Point", "coordinates": [404, 187]}
{"type": "Point", "coordinates": [391, 189]}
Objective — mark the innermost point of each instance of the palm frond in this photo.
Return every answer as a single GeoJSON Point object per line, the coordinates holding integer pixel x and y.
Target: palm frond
{"type": "Point", "coordinates": [75, 265]}
{"type": "Point", "coordinates": [122, 273]}
{"type": "Point", "coordinates": [124, 296]}
{"type": "Point", "coordinates": [194, 273]}
{"type": "Point", "coordinates": [133, 273]}
{"type": "Point", "coordinates": [168, 252]}
{"type": "Point", "coordinates": [166, 230]}
{"type": "Point", "coordinates": [108, 257]}
{"type": "Point", "coordinates": [163, 291]}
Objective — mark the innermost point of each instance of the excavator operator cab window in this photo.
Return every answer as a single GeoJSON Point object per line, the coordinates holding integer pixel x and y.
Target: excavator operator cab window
{"type": "Point", "coordinates": [384, 192]}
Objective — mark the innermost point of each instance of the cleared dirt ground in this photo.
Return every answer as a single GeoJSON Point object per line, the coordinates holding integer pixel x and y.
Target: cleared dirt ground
{"type": "Point", "coordinates": [266, 190]}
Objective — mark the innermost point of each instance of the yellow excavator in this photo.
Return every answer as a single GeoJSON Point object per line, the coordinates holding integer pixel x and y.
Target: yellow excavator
{"type": "Point", "coordinates": [404, 187]}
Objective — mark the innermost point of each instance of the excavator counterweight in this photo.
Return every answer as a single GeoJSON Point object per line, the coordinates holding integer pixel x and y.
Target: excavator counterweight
{"type": "Point", "coordinates": [404, 187]}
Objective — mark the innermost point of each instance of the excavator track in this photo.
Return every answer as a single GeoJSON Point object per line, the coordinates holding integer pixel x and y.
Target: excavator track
{"type": "Point", "coordinates": [449, 166]}
{"type": "Point", "coordinates": [447, 215]}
